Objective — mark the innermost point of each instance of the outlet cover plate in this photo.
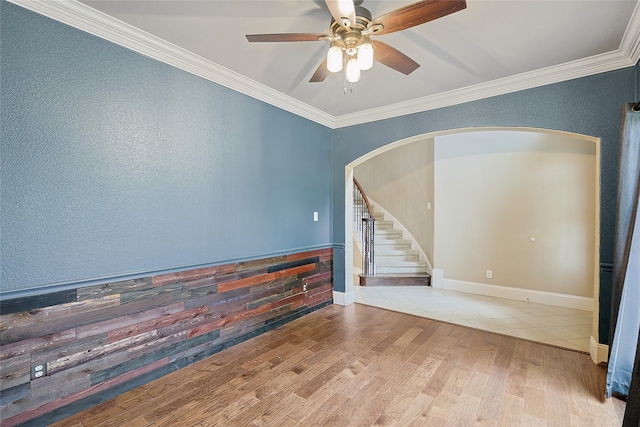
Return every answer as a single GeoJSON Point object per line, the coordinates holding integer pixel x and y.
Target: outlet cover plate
{"type": "Point", "coordinates": [38, 371]}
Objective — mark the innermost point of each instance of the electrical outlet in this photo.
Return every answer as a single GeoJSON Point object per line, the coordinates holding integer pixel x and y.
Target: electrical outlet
{"type": "Point", "coordinates": [304, 287]}
{"type": "Point", "coordinates": [489, 274]}
{"type": "Point", "coordinates": [38, 371]}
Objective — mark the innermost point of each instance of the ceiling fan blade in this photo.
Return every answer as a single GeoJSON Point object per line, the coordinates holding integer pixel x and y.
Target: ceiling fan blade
{"type": "Point", "coordinates": [393, 58]}
{"type": "Point", "coordinates": [290, 37]}
{"type": "Point", "coordinates": [321, 73]}
{"type": "Point", "coordinates": [341, 9]}
{"type": "Point", "coordinates": [416, 14]}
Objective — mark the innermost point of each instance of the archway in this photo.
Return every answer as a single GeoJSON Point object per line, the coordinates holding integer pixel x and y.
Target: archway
{"type": "Point", "coordinates": [595, 143]}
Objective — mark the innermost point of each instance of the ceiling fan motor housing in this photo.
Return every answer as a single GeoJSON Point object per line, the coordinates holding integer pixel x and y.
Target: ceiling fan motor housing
{"type": "Point", "coordinates": [351, 37]}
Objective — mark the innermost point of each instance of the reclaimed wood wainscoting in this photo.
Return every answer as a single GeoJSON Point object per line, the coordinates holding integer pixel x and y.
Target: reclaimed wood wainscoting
{"type": "Point", "coordinates": [99, 341]}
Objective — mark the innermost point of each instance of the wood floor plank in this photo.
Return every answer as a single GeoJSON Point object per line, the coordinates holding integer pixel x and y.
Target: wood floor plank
{"type": "Point", "coordinates": [537, 367]}
{"type": "Point", "coordinates": [517, 378]}
{"type": "Point", "coordinates": [535, 403]}
{"type": "Point", "coordinates": [442, 407]}
{"type": "Point", "coordinates": [364, 366]}
{"type": "Point", "coordinates": [511, 411]}
{"type": "Point", "coordinates": [277, 414]}
{"type": "Point", "coordinates": [406, 394]}
{"type": "Point", "coordinates": [439, 379]}
{"type": "Point", "coordinates": [331, 369]}
{"type": "Point", "coordinates": [301, 412]}
{"type": "Point", "coordinates": [366, 406]}
{"type": "Point", "coordinates": [488, 354]}
{"type": "Point", "coordinates": [416, 413]}
{"type": "Point", "coordinates": [492, 396]}
{"type": "Point", "coordinates": [463, 414]}
{"type": "Point", "coordinates": [321, 415]}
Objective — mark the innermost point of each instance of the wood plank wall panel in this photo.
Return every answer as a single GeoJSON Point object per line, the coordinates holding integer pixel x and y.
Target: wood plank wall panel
{"type": "Point", "coordinates": [102, 340]}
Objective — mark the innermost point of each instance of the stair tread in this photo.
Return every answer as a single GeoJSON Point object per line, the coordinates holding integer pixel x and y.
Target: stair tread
{"type": "Point", "coordinates": [394, 256]}
{"type": "Point", "coordinates": [401, 272]}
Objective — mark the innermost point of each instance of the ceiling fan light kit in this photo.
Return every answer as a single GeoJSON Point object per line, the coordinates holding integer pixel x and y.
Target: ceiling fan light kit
{"type": "Point", "coordinates": [353, 70]}
{"type": "Point", "coordinates": [365, 55]}
{"type": "Point", "coordinates": [351, 47]}
{"type": "Point", "coordinates": [334, 58]}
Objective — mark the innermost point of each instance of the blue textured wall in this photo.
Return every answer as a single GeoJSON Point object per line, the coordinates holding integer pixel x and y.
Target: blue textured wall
{"type": "Point", "coordinates": [115, 164]}
{"type": "Point", "coordinates": [589, 106]}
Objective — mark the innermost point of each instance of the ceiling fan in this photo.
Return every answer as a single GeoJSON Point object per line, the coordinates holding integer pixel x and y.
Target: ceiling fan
{"type": "Point", "coordinates": [349, 36]}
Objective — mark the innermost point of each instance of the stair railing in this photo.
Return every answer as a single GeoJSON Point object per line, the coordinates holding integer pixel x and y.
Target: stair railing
{"type": "Point", "coordinates": [365, 225]}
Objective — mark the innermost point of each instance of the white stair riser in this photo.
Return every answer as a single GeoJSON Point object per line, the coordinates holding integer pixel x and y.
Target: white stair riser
{"type": "Point", "coordinates": [399, 263]}
{"type": "Point", "coordinates": [393, 254]}
{"type": "Point", "coordinates": [384, 225]}
{"type": "Point", "coordinates": [390, 259]}
{"type": "Point", "coordinates": [388, 234]}
{"type": "Point", "coordinates": [392, 243]}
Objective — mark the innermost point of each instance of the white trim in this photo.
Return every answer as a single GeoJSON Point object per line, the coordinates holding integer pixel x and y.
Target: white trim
{"type": "Point", "coordinates": [344, 298]}
{"type": "Point", "coordinates": [406, 234]}
{"type": "Point", "coordinates": [596, 250]}
{"type": "Point", "coordinates": [437, 278]}
{"type": "Point", "coordinates": [348, 234]}
{"type": "Point", "coordinates": [92, 21]}
{"type": "Point", "coordinates": [85, 18]}
{"type": "Point", "coordinates": [630, 43]}
{"type": "Point", "coordinates": [599, 352]}
{"type": "Point", "coordinates": [530, 295]}
{"type": "Point", "coordinates": [571, 70]}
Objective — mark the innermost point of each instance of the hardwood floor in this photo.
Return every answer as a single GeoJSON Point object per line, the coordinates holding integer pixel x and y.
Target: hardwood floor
{"type": "Point", "coordinates": [363, 366]}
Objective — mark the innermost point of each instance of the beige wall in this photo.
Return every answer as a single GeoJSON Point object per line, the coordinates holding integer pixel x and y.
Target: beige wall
{"type": "Point", "coordinates": [491, 191]}
{"type": "Point", "coordinates": [494, 190]}
{"type": "Point", "coordinates": [401, 181]}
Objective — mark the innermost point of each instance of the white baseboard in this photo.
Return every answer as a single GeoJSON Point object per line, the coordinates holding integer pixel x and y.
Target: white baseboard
{"type": "Point", "coordinates": [437, 278]}
{"type": "Point", "coordinates": [599, 352]}
{"type": "Point", "coordinates": [539, 297]}
{"type": "Point", "coordinates": [344, 298]}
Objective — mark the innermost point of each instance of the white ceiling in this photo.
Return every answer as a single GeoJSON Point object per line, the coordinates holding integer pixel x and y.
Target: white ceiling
{"type": "Point", "coordinates": [491, 47]}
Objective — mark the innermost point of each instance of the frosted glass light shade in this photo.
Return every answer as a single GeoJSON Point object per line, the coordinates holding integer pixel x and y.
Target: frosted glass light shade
{"type": "Point", "coordinates": [365, 56]}
{"type": "Point", "coordinates": [334, 59]}
{"type": "Point", "coordinates": [353, 71]}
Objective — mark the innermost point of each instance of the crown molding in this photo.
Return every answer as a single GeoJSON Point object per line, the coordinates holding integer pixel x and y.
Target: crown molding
{"type": "Point", "coordinates": [568, 71]}
{"type": "Point", "coordinates": [85, 18]}
{"type": "Point", "coordinates": [631, 40]}
{"type": "Point", "coordinates": [627, 55]}
{"type": "Point", "coordinates": [92, 21]}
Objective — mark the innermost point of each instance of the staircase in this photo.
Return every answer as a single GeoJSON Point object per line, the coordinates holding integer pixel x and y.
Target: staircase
{"type": "Point", "coordinates": [396, 263]}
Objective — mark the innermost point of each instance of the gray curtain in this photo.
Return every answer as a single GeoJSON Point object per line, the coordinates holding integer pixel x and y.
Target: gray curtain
{"type": "Point", "coordinates": [625, 301]}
